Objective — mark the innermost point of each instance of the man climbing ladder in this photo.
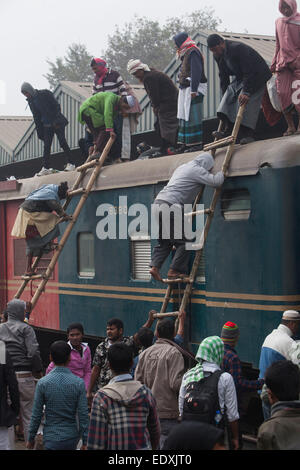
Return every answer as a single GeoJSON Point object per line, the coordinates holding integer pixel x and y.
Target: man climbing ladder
{"type": "Point", "coordinates": [230, 142]}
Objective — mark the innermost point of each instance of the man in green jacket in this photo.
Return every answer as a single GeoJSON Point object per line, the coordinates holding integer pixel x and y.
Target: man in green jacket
{"type": "Point", "coordinates": [99, 112]}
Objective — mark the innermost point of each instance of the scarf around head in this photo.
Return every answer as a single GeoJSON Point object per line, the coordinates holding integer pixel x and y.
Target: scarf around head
{"type": "Point", "coordinates": [295, 17]}
{"type": "Point", "coordinates": [185, 46]}
{"type": "Point", "coordinates": [211, 350]}
{"type": "Point", "coordinates": [99, 75]}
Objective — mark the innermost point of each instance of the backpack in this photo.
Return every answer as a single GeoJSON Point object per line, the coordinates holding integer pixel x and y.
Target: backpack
{"type": "Point", "coordinates": [201, 400]}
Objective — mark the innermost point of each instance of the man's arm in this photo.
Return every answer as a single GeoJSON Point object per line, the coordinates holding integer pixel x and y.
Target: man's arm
{"type": "Point", "coordinates": [36, 416]}
{"type": "Point", "coordinates": [94, 377]}
{"type": "Point", "coordinates": [83, 416]}
{"type": "Point", "coordinates": [148, 323]}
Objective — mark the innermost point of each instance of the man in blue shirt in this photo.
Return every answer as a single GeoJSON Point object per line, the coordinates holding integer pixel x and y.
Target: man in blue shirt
{"type": "Point", "coordinates": [64, 397]}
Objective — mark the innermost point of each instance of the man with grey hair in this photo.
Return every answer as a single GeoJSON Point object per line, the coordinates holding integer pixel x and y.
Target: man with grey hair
{"type": "Point", "coordinates": [278, 346]}
{"type": "Point", "coordinates": [23, 348]}
{"type": "Point", "coordinates": [182, 189]}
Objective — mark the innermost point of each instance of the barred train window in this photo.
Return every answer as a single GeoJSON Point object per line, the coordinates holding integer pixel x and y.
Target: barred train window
{"type": "Point", "coordinates": [236, 204]}
{"type": "Point", "coordinates": [86, 254]}
{"type": "Point", "coordinates": [19, 247]}
{"type": "Point", "coordinates": [200, 276]}
{"type": "Point", "coordinates": [140, 257]}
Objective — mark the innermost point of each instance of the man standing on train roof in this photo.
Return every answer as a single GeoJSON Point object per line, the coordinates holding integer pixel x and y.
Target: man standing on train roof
{"type": "Point", "coordinates": [36, 221]}
{"type": "Point", "coordinates": [99, 113]}
{"type": "Point", "coordinates": [279, 345]}
{"type": "Point", "coordinates": [183, 188]}
{"type": "Point", "coordinates": [163, 95]}
{"type": "Point", "coordinates": [48, 120]}
{"type": "Point", "coordinates": [251, 73]}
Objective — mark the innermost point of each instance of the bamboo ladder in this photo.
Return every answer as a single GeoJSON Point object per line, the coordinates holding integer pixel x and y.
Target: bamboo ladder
{"type": "Point", "coordinates": [189, 280]}
{"type": "Point", "coordinates": [91, 162]}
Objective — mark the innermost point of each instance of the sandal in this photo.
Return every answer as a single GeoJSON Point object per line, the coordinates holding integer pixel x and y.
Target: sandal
{"type": "Point", "coordinates": [288, 133]}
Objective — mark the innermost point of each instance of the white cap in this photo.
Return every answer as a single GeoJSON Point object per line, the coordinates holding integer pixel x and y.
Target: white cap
{"type": "Point", "coordinates": [291, 315]}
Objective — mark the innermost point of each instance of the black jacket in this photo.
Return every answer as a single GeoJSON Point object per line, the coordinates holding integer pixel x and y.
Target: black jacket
{"type": "Point", "coordinates": [161, 90]}
{"type": "Point", "coordinates": [247, 65]}
{"type": "Point", "coordinates": [8, 381]}
{"type": "Point", "coordinates": [44, 106]}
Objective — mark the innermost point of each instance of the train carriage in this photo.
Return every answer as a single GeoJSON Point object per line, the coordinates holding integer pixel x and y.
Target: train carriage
{"type": "Point", "coordinates": [250, 272]}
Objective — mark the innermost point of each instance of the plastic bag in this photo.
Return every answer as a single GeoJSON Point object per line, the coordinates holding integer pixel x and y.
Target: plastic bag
{"type": "Point", "coordinates": [273, 94]}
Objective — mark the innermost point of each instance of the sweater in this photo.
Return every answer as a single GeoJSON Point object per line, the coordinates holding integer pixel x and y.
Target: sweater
{"type": "Point", "coordinates": [102, 108]}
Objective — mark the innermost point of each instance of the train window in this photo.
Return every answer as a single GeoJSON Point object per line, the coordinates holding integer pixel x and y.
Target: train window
{"type": "Point", "coordinates": [86, 258]}
{"type": "Point", "coordinates": [140, 257]}
{"type": "Point", "coordinates": [236, 204]}
{"type": "Point", "coordinates": [20, 259]}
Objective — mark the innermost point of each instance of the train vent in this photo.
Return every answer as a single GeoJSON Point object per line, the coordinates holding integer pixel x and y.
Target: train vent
{"type": "Point", "coordinates": [200, 276]}
{"type": "Point", "coordinates": [140, 257]}
{"type": "Point", "coordinates": [236, 204]}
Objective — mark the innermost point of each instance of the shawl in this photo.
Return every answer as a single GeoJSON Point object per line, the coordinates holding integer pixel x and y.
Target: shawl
{"type": "Point", "coordinates": [100, 75]}
{"type": "Point", "coordinates": [212, 350]}
{"type": "Point", "coordinates": [185, 46]}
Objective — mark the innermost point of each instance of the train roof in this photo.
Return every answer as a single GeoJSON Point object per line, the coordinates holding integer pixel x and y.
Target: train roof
{"type": "Point", "coordinates": [282, 152]}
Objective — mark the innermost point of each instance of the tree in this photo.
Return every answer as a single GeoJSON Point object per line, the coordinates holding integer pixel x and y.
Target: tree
{"type": "Point", "coordinates": [75, 66]}
{"type": "Point", "coordinates": [147, 40]}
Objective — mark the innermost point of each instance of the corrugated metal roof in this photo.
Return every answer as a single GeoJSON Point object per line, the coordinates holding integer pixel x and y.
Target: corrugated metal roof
{"type": "Point", "coordinates": [12, 129]}
{"type": "Point", "coordinates": [264, 45]}
{"type": "Point", "coordinates": [282, 152]}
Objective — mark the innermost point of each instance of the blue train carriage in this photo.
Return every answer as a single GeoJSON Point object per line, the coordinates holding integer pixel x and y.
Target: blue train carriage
{"type": "Point", "coordinates": [250, 271]}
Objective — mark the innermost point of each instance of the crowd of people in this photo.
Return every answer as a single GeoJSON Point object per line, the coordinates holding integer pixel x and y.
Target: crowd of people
{"type": "Point", "coordinates": [113, 109]}
{"type": "Point", "coordinates": [145, 391]}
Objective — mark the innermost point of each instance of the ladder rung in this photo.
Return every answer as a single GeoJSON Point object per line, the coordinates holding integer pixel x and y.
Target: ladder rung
{"type": "Point", "coordinates": [76, 191]}
{"type": "Point", "coordinates": [34, 276]}
{"type": "Point", "coordinates": [219, 143]}
{"type": "Point", "coordinates": [205, 211]}
{"type": "Point", "coordinates": [165, 315]}
{"type": "Point", "coordinates": [88, 165]}
{"type": "Point", "coordinates": [184, 280]}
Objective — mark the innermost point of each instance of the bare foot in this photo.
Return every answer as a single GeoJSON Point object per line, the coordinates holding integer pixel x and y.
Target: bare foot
{"type": "Point", "coordinates": [175, 274]}
{"type": "Point", "coordinates": [155, 273]}
{"type": "Point", "coordinates": [289, 131]}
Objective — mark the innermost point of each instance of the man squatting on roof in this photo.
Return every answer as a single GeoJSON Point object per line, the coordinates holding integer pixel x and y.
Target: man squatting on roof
{"type": "Point", "coordinates": [182, 189]}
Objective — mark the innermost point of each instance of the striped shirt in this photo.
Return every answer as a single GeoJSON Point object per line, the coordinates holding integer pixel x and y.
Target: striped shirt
{"type": "Point", "coordinates": [64, 397]}
{"type": "Point", "coordinates": [112, 82]}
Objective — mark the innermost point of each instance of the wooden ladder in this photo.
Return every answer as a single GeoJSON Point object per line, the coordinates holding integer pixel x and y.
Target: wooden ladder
{"type": "Point", "coordinates": [91, 162]}
{"type": "Point", "coordinates": [190, 279]}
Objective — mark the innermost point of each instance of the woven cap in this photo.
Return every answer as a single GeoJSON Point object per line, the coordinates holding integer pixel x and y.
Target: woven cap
{"type": "Point", "coordinates": [291, 315]}
{"type": "Point", "coordinates": [230, 331]}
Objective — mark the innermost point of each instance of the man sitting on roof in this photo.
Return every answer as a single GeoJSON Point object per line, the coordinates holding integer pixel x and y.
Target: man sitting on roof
{"type": "Point", "coordinates": [36, 221]}
{"type": "Point", "coordinates": [250, 72]}
{"type": "Point", "coordinates": [99, 112]}
{"type": "Point", "coordinates": [183, 188]}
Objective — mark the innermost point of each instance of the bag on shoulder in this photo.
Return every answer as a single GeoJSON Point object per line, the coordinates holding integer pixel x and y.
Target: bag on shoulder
{"type": "Point", "coordinates": [201, 400]}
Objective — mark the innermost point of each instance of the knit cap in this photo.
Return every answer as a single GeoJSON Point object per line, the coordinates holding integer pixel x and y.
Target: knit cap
{"type": "Point", "coordinates": [134, 65]}
{"type": "Point", "coordinates": [230, 332]}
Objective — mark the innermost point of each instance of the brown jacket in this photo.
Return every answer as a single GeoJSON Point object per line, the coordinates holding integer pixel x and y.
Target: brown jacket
{"type": "Point", "coordinates": [282, 430]}
{"type": "Point", "coordinates": [161, 368]}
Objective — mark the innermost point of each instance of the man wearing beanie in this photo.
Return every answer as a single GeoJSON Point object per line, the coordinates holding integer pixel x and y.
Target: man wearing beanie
{"type": "Point", "coordinates": [232, 364]}
{"type": "Point", "coordinates": [49, 121]}
{"type": "Point", "coordinates": [250, 72]}
{"type": "Point", "coordinates": [278, 346]}
{"type": "Point", "coordinates": [23, 348]}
